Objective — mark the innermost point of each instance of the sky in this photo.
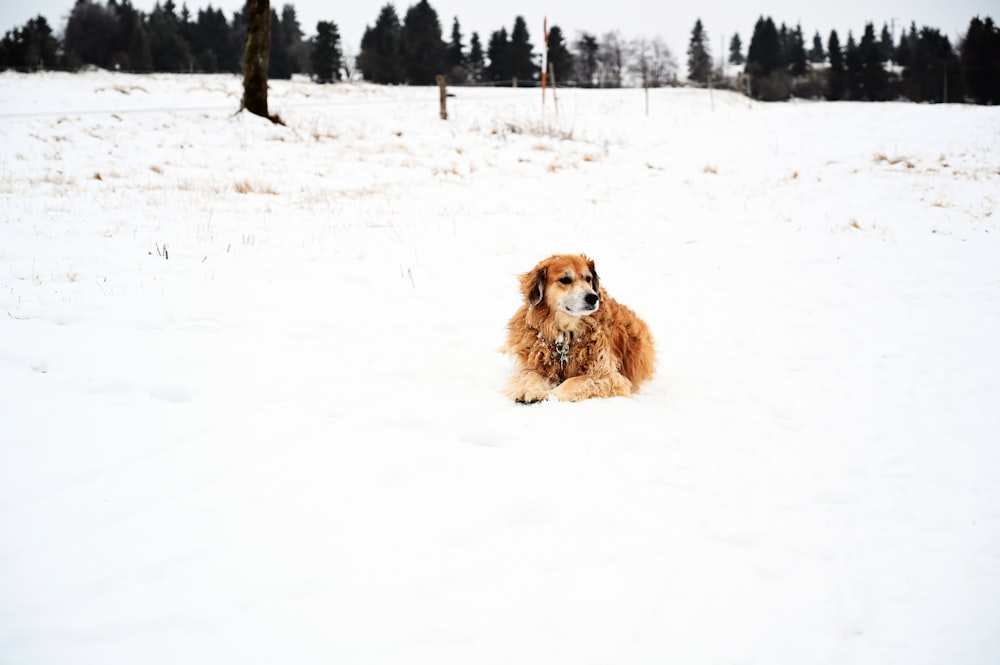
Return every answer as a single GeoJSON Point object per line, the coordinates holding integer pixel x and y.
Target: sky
{"type": "Point", "coordinates": [633, 18]}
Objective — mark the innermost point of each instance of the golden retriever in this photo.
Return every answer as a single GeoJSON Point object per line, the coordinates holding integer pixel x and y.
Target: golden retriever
{"type": "Point", "coordinates": [570, 340]}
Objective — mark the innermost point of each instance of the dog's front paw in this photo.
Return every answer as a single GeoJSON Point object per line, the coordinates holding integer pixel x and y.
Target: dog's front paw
{"type": "Point", "coordinates": [528, 389]}
{"type": "Point", "coordinates": [531, 399]}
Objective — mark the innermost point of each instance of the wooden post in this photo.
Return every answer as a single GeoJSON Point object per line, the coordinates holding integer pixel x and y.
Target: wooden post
{"type": "Point", "coordinates": [552, 78]}
{"type": "Point", "coordinates": [442, 86]}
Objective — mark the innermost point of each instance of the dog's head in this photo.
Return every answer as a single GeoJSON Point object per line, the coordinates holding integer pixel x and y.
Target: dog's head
{"type": "Point", "coordinates": [564, 283]}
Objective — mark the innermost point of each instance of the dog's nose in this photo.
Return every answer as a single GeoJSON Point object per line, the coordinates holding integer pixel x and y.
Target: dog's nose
{"type": "Point", "coordinates": [591, 299]}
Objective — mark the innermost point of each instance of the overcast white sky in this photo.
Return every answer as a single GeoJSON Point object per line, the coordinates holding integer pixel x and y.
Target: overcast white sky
{"type": "Point", "coordinates": [633, 18]}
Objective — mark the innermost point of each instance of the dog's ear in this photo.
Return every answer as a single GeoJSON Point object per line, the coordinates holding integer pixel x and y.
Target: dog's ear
{"type": "Point", "coordinates": [595, 283]}
{"type": "Point", "coordinates": [533, 286]}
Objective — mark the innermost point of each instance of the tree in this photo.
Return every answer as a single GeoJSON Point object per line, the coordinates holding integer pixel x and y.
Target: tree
{"type": "Point", "coordinates": [699, 59]}
{"type": "Point", "coordinates": [477, 60]}
{"type": "Point", "coordinates": [30, 48]}
{"type": "Point", "coordinates": [560, 59]}
{"type": "Point", "coordinates": [256, 57]}
{"type": "Point", "coordinates": [498, 52]}
{"type": "Point", "coordinates": [837, 76]}
{"type": "Point", "coordinates": [586, 60]}
{"type": "Point", "coordinates": [421, 46]}
{"type": "Point", "coordinates": [979, 56]}
{"type": "Point", "coordinates": [169, 49]}
{"type": "Point", "coordinates": [736, 50]}
{"type": "Point", "coordinates": [380, 60]}
{"type": "Point", "coordinates": [934, 71]}
{"type": "Point", "coordinates": [854, 69]}
{"type": "Point", "coordinates": [91, 33]}
{"type": "Point", "coordinates": [885, 44]}
{"type": "Point", "coordinates": [795, 52]}
{"type": "Point", "coordinates": [610, 60]}
{"type": "Point", "coordinates": [326, 55]}
{"type": "Point", "coordinates": [522, 63]}
{"type": "Point", "coordinates": [816, 54]}
{"type": "Point", "coordinates": [764, 54]}
{"type": "Point", "coordinates": [652, 61]}
{"type": "Point", "coordinates": [454, 56]}
{"type": "Point", "coordinates": [874, 79]}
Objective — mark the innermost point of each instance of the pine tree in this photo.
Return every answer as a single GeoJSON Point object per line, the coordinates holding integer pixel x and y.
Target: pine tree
{"type": "Point", "coordinates": [380, 60]}
{"type": "Point", "coordinates": [979, 55]}
{"type": "Point", "coordinates": [29, 48]}
{"type": "Point", "coordinates": [934, 71]}
{"type": "Point", "coordinates": [422, 48]}
{"type": "Point", "coordinates": [326, 55]}
{"type": "Point", "coordinates": [764, 54]}
{"type": "Point", "coordinates": [816, 54]}
{"type": "Point", "coordinates": [498, 52]}
{"type": "Point", "coordinates": [736, 50]}
{"type": "Point", "coordinates": [874, 79]}
{"type": "Point", "coordinates": [560, 58]}
{"type": "Point", "coordinates": [885, 44]}
{"type": "Point", "coordinates": [454, 58]}
{"type": "Point", "coordinates": [699, 59]}
{"type": "Point", "coordinates": [796, 52]}
{"type": "Point", "coordinates": [854, 69]}
{"type": "Point", "coordinates": [837, 76]}
{"type": "Point", "coordinates": [520, 50]}
{"type": "Point", "coordinates": [477, 61]}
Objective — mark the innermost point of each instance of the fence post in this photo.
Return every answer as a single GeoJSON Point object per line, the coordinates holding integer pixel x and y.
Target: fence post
{"type": "Point", "coordinates": [442, 87]}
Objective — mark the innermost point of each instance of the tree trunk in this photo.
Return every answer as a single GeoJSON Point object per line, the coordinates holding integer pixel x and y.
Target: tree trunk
{"type": "Point", "coordinates": [256, 58]}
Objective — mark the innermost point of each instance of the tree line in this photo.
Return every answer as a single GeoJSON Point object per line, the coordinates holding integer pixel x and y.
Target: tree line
{"type": "Point", "coordinates": [922, 65]}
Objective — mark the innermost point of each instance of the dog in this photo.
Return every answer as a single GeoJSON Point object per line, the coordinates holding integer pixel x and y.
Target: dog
{"type": "Point", "coordinates": [571, 341]}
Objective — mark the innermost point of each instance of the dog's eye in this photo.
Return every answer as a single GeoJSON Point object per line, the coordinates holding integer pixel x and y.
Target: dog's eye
{"type": "Point", "coordinates": [588, 279]}
{"type": "Point", "coordinates": [566, 280]}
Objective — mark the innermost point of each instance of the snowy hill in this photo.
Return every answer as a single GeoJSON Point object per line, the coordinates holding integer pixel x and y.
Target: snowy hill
{"type": "Point", "coordinates": [251, 394]}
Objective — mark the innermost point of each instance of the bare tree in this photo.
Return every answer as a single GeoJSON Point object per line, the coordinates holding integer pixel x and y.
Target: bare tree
{"type": "Point", "coordinates": [652, 62]}
{"type": "Point", "coordinates": [611, 60]}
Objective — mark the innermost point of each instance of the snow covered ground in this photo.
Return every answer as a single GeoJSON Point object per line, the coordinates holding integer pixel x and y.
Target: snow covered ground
{"type": "Point", "coordinates": [250, 406]}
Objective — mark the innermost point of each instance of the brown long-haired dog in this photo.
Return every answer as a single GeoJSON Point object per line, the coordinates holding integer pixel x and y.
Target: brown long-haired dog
{"type": "Point", "coordinates": [571, 340]}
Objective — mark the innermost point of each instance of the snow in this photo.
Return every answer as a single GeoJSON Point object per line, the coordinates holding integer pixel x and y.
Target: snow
{"type": "Point", "coordinates": [251, 401]}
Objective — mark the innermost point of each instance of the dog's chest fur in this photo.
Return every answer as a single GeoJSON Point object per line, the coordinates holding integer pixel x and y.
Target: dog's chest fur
{"type": "Point", "coordinates": [567, 353]}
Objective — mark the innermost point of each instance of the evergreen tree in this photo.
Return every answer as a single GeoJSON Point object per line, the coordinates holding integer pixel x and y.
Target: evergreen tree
{"type": "Point", "coordinates": [907, 42]}
{"type": "Point", "coordinates": [560, 58]}
{"type": "Point", "coordinates": [980, 61]}
{"type": "Point", "coordinates": [699, 59]}
{"type": "Point", "coordinates": [885, 44]}
{"type": "Point", "coordinates": [586, 60]}
{"type": "Point", "coordinates": [211, 48]}
{"type": "Point", "coordinates": [836, 85]}
{"type": "Point", "coordinates": [816, 54]}
{"type": "Point", "coordinates": [280, 65]}
{"type": "Point", "coordinates": [454, 57]}
{"type": "Point", "coordinates": [796, 57]}
{"type": "Point", "coordinates": [522, 63]}
{"type": "Point", "coordinates": [91, 33]}
{"type": "Point", "coordinates": [854, 69]}
{"type": "Point", "coordinates": [764, 55]}
{"type": "Point", "coordinates": [167, 46]}
{"type": "Point", "coordinates": [326, 57]}
{"type": "Point", "coordinates": [380, 60]}
{"type": "Point", "coordinates": [874, 79]}
{"type": "Point", "coordinates": [477, 60]}
{"type": "Point", "coordinates": [422, 48]}
{"type": "Point", "coordinates": [498, 52]}
{"type": "Point", "coordinates": [29, 48]}
{"type": "Point", "coordinates": [736, 50]}
{"type": "Point", "coordinates": [934, 71]}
